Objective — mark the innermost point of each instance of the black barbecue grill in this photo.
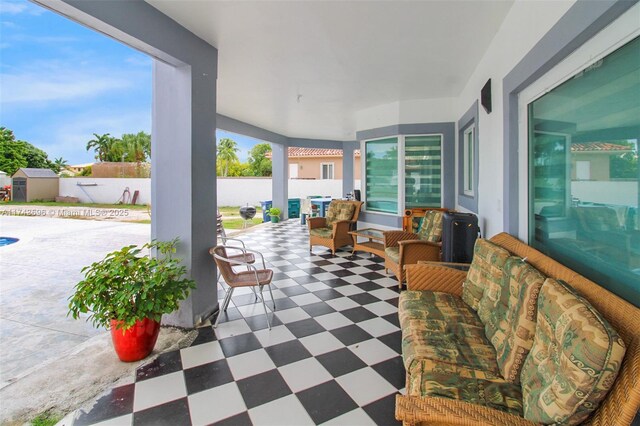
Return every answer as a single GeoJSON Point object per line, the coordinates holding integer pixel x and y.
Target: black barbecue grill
{"type": "Point", "coordinates": [247, 213]}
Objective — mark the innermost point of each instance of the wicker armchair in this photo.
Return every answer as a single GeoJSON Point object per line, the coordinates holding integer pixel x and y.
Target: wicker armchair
{"type": "Point", "coordinates": [333, 231]}
{"type": "Point", "coordinates": [406, 247]}
{"type": "Point", "coordinates": [622, 401]}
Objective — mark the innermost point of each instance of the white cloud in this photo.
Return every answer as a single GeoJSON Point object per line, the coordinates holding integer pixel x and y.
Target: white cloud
{"type": "Point", "coordinates": [12, 8]}
{"type": "Point", "coordinates": [17, 7]}
{"type": "Point", "coordinates": [30, 87]}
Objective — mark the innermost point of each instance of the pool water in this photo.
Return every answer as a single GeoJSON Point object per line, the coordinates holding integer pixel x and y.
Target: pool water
{"type": "Point", "coordinates": [5, 241]}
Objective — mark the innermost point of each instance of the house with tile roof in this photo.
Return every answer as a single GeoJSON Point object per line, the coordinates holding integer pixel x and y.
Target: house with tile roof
{"type": "Point", "coordinates": [318, 163]}
{"type": "Point", "coordinates": [592, 160]}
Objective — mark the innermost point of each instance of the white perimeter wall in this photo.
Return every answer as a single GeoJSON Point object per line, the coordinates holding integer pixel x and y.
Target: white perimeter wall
{"type": "Point", "coordinates": [231, 191]}
{"type": "Point", "coordinates": [606, 192]}
{"type": "Point", "coordinates": [104, 190]}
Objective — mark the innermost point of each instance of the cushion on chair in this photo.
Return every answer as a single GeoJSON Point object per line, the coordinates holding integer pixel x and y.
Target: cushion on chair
{"type": "Point", "coordinates": [437, 379]}
{"type": "Point", "coordinates": [486, 267]}
{"type": "Point", "coordinates": [441, 327]}
{"type": "Point", "coordinates": [321, 232]}
{"type": "Point", "coordinates": [392, 253]}
{"type": "Point", "coordinates": [431, 226]}
{"type": "Point", "coordinates": [339, 210]}
{"type": "Point", "coordinates": [575, 358]}
{"type": "Point", "coordinates": [513, 326]}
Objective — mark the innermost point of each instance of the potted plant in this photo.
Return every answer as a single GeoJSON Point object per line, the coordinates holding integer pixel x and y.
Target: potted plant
{"type": "Point", "coordinates": [128, 292]}
{"type": "Point", "coordinates": [274, 213]}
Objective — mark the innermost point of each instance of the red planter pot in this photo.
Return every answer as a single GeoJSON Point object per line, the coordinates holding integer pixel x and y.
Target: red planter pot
{"type": "Point", "coordinates": [136, 342]}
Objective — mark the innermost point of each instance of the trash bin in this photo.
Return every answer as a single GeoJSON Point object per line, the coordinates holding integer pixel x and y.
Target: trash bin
{"type": "Point", "coordinates": [266, 205]}
{"type": "Point", "coordinates": [294, 207]}
{"type": "Point", "coordinates": [303, 219]}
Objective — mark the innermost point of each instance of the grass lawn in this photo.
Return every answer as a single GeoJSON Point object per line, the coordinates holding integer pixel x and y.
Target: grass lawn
{"type": "Point", "coordinates": [237, 223]}
{"type": "Point", "coordinates": [235, 211]}
{"type": "Point", "coordinates": [54, 204]}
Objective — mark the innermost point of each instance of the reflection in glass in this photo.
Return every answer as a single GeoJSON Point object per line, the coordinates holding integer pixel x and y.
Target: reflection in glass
{"type": "Point", "coordinates": [382, 175]}
{"type": "Point", "coordinates": [584, 175]}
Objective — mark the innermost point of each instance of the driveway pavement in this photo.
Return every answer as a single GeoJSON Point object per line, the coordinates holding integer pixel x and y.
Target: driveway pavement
{"type": "Point", "coordinates": [37, 275]}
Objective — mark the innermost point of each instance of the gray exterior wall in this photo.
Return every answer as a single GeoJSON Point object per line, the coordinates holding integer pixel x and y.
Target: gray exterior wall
{"type": "Point", "coordinates": [469, 118]}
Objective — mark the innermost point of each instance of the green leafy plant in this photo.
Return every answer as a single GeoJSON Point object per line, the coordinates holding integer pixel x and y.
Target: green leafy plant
{"type": "Point", "coordinates": [129, 285]}
{"type": "Point", "coordinates": [274, 211]}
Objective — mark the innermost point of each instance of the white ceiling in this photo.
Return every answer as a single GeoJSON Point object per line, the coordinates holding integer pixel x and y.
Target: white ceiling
{"type": "Point", "coordinates": [340, 56]}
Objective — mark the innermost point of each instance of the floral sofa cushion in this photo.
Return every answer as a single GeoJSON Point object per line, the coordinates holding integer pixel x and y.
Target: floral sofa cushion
{"type": "Point", "coordinates": [339, 211]}
{"type": "Point", "coordinates": [438, 379]}
{"type": "Point", "coordinates": [321, 232]}
{"type": "Point", "coordinates": [513, 326]}
{"type": "Point", "coordinates": [431, 226]}
{"type": "Point", "coordinates": [441, 327]}
{"type": "Point", "coordinates": [486, 268]}
{"type": "Point", "coordinates": [393, 253]}
{"type": "Point", "coordinates": [575, 358]}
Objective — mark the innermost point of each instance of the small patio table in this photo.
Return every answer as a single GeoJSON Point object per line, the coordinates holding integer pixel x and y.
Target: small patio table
{"type": "Point", "coordinates": [373, 245]}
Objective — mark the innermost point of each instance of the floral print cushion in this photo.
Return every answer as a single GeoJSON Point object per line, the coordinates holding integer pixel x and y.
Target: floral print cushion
{"type": "Point", "coordinates": [431, 226]}
{"type": "Point", "coordinates": [485, 269]}
{"type": "Point", "coordinates": [437, 379]}
{"type": "Point", "coordinates": [393, 253]}
{"type": "Point", "coordinates": [322, 232]}
{"type": "Point", "coordinates": [441, 327]}
{"type": "Point", "coordinates": [575, 358]}
{"type": "Point", "coordinates": [339, 211]}
{"type": "Point", "coordinates": [512, 327]}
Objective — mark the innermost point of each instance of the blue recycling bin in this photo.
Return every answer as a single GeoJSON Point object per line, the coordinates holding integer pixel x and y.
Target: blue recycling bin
{"type": "Point", "coordinates": [266, 205]}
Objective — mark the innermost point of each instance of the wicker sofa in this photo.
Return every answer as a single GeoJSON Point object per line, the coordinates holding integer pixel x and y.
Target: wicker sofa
{"type": "Point", "coordinates": [516, 342]}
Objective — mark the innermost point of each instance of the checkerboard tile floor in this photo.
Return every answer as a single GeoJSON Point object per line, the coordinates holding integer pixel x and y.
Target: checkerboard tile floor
{"type": "Point", "coordinates": [332, 356]}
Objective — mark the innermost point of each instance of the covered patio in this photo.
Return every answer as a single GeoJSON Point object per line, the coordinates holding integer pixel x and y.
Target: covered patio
{"type": "Point", "coordinates": [331, 357]}
{"type": "Point", "coordinates": [476, 106]}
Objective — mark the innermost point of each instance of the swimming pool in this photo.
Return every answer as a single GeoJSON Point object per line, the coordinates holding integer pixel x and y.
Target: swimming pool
{"type": "Point", "coordinates": [5, 241]}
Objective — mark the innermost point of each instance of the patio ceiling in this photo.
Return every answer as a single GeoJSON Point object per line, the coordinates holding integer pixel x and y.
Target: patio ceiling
{"type": "Point", "coordinates": [304, 69]}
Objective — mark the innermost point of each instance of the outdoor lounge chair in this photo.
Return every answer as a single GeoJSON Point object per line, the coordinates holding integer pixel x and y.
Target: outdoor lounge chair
{"type": "Point", "coordinates": [252, 277]}
{"type": "Point", "coordinates": [406, 247]}
{"type": "Point", "coordinates": [332, 231]}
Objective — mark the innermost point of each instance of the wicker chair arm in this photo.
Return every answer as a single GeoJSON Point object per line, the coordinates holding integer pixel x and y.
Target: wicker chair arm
{"type": "Point", "coordinates": [391, 238]}
{"type": "Point", "coordinates": [412, 251]}
{"type": "Point", "coordinates": [316, 222]}
{"type": "Point", "coordinates": [443, 411]}
{"type": "Point", "coordinates": [435, 278]}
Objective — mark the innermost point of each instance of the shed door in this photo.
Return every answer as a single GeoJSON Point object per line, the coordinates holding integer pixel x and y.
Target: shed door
{"type": "Point", "coordinates": [19, 189]}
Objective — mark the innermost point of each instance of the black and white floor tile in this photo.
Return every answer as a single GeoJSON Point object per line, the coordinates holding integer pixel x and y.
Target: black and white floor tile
{"type": "Point", "coordinates": [332, 356]}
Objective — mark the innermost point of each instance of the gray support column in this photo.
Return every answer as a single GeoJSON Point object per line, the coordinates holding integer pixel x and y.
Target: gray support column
{"type": "Point", "coordinates": [280, 178]}
{"type": "Point", "coordinates": [347, 169]}
{"type": "Point", "coordinates": [183, 179]}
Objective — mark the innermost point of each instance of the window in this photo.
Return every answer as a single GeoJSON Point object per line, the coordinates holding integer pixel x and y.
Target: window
{"type": "Point", "coordinates": [469, 159]}
{"type": "Point", "coordinates": [423, 166]}
{"type": "Point", "coordinates": [381, 170]}
{"type": "Point", "coordinates": [326, 171]}
{"type": "Point", "coordinates": [583, 171]}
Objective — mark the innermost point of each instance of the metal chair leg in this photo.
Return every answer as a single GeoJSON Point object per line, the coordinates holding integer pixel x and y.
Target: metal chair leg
{"type": "Point", "coordinates": [266, 313]}
{"type": "Point", "coordinates": [272, 299]}
{"type": "Point", "coordinates": [224, 306]}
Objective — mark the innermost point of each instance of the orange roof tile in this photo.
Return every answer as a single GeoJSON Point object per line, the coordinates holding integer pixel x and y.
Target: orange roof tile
{"type": "Point", "coordinates": [598, 147]}
{"type": "Point", "coordinates": [314, 152]}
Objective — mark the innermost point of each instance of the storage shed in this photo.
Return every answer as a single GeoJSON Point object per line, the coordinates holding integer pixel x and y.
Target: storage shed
{"type": "Point", "coordinates": [34, 184]}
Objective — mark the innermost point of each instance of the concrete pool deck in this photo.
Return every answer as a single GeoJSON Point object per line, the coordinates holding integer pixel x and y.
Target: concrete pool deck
{"type": "Point", "coordinates": [37, 275]}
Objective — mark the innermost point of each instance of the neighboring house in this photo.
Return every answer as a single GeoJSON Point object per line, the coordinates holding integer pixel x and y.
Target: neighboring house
{"type": "Point", "coordinates": [592, 160]}
{"type": "Point", "coordinates": [318, 163]}
{"type": "Point", "coordinates": [77, 168]}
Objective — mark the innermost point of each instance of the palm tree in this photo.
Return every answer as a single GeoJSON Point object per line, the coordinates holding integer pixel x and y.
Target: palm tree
{"type": "Point", "coordinates": [227, 149]}
{"type": "Point", "coordinates": [60, 164]}
{"type": "Point", "coordinates": [101, 145]}
{"type": "Point", "coordinates": [137, 146]}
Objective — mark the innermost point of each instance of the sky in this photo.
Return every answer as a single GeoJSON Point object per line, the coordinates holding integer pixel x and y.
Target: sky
{"type": "Point", "coordinates": [60, 82]}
